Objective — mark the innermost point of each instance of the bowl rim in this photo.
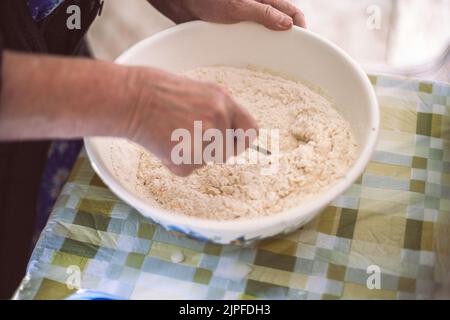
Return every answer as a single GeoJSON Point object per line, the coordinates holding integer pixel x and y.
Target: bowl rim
{"type": "Point", "coordinates": [246, 225]}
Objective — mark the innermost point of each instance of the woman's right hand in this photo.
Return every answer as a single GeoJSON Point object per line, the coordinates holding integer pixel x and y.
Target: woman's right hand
{"type": "Point", "coordinates": [164, 102]}
{"type": "Point", "coordinates": [51, 97]}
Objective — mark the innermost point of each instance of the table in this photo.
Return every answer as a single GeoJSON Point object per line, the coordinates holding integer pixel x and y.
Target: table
{"type": "Point", "coordinates": [387, 237]}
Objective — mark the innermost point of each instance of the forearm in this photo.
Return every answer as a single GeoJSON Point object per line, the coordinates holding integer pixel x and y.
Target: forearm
{"type": "Point", "coordinates": [46, 97]}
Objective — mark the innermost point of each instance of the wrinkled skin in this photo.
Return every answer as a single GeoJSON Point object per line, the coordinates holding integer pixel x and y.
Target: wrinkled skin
{"type": "Point", "coordinates": [169, 102]}
{"type": "Point", "coordinates": [274, 14]}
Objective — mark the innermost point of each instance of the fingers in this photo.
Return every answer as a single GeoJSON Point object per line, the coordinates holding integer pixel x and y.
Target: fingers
{"type": "Point", "coordinates": [242, 120]}
{"type": "Point", "coordinates": [265, 14]}
{"type": "Point", "coordinates": [209, 138]}
{"type": "Point", "coordinates": [288, 8]}
{"type": "Point", "coordinates": [182, 170]}
{"type": "Point", "coordinates": [274, 14]}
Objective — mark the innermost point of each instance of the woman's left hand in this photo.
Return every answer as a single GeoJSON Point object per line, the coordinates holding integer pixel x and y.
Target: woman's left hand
{"type": "Point", "coordinates": [274, 14]}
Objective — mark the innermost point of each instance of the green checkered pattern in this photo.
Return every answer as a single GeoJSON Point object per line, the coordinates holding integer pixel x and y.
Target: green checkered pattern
{"type": "Point", "coordinates": [396, 216]}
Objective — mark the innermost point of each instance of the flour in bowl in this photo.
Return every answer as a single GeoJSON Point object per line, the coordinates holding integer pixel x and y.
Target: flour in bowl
{"type": "Point", "coordinates": [316, 145]}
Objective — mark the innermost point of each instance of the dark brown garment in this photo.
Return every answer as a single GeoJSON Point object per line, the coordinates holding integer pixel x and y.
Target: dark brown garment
{"type": "Point", "coordinates": [21, 164]}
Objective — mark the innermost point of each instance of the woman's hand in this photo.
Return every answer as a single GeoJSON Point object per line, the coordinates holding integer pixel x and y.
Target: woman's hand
{"type": "Point", "coordinates": [274, 14]}
{"type": "Point", "coordinates": [48, 97]}
{"type": "Point", "coordinates": [166, 102]}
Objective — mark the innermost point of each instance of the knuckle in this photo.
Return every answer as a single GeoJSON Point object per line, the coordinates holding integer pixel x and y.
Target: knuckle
{"type": "Point", "coordinates": [220, 113]}
{"type": "Point", "coordinates": [236, 4]}
{"type": "Point", "coordinates": [267, 11]}
{"type": "Point", "coordinates": [218, 88]}
{"type": "Point", "coordinates": [219, 94]}
{"type": "Point", "coordinates": [271, 3]}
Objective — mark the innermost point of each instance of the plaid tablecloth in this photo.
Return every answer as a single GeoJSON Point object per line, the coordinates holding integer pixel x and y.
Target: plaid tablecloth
{"type": "Point", "coordinates": [395, 219]}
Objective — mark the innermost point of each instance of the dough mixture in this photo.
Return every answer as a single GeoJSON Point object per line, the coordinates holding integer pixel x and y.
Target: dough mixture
{"type": "Point", "coordinates": [316, 149]}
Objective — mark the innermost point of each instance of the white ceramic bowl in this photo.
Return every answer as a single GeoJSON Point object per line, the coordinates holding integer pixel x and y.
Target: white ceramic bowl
{"type": "Point", "coordinates": [298, 53]}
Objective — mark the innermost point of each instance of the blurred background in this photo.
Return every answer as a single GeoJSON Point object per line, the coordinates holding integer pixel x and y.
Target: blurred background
{"type": "Point", "coordinates": [404, 37]}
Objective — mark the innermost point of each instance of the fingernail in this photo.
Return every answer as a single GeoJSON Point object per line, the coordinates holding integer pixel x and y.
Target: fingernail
{"type": "Point", "coordinates": [285, 22]}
